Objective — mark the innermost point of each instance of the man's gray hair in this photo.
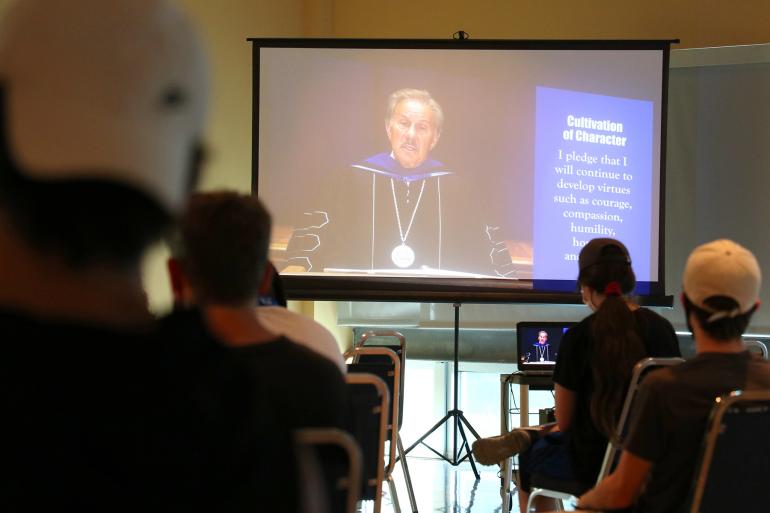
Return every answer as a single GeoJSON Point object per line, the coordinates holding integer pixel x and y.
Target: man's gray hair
{"type": "Point", "coordinates": [420, 95]}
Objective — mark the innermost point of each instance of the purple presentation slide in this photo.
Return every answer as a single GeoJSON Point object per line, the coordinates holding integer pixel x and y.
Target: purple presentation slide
{"type": "Point", "coordinates": [593, 178]}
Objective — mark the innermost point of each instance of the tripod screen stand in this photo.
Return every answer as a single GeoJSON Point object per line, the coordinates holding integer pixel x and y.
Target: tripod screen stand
{"type": "Point", "coordinates": [455, 415]}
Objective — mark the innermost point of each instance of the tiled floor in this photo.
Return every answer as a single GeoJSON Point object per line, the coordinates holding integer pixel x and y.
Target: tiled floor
{"type": "Point", "coordinates": [441, 487]}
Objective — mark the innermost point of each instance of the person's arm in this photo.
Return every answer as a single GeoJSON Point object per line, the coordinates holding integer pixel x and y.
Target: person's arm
{"type": "Point", "coordinates": [565, 406]}
{"type": "Point", "coordinates": [621, 488]}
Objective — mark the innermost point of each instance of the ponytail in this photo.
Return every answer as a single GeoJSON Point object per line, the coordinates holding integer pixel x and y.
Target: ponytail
{"type": "Point", "coordinates": [616, 343]}
{"type": "Point", "coordinates": [617, 347]}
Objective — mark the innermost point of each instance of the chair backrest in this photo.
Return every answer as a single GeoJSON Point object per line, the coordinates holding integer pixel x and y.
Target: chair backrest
{"type": "Point", "coordinates": [369, 401]}
{"type": "Point", "coordinates": [338, 457]}
{"type": "Point", "coordinates": [756, 346]}
{"type": "Point", "coordinates": [641, 369]}
{"type": "Point", "coordinates": [375, 338]}
{"type": "Point", "coordinates": [385, 364]}
{"type": "Point", "coordinates": [734, 470]}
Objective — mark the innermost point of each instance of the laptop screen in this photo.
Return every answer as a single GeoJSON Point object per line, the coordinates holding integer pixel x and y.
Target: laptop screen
{"type": "Point", "coordinates": [538, 343]}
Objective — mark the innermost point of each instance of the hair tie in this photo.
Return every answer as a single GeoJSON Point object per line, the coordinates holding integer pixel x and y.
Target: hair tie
{"type": "Point", "coordinates": [613, 289]}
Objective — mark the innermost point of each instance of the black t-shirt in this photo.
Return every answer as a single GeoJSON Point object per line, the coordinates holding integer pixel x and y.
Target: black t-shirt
{"type": "Point", "coordinates": [98, 419]}
{"type": "Point", "coordinates": [668, 426]}
{"type": "Point", "coordinates": [573, 372]}
{"type": "Point", "coordinates": [307, 389]}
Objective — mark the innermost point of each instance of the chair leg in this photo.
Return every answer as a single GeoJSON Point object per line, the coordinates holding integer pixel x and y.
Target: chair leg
{"type": "Point", "coordinates": [378, 500]}
{"type": "Point", "coordinates": [407, 476]}
{"type": "Point", "coordinates": [394, 494]}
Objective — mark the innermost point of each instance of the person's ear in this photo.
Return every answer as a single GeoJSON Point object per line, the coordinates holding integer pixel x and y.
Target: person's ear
{"type": "Point", "coordinates": [435, 140]}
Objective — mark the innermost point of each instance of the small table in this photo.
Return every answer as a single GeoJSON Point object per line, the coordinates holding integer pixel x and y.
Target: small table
{"type": "Point", "coordinates": [524, 381]}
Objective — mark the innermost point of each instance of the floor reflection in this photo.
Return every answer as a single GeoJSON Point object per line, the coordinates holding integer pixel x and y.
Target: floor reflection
{"type": "Point", "coordinates": [440, 487]}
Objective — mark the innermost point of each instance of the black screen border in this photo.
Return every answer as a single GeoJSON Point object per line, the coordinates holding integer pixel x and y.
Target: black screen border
{"type": "Point", "coordinates": [462, 290]}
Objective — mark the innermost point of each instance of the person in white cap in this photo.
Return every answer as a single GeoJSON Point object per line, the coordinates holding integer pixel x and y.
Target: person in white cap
{"type": "Point", "coordinates": [720, 294]}
{"type": "Point", "coordinates": [101, 116]}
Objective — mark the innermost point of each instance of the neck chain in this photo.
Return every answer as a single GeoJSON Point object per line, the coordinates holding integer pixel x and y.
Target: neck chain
{"type": "Point", "coordinates": [542, 352]}
{"type": "Point", "coordinates": [403, 235]}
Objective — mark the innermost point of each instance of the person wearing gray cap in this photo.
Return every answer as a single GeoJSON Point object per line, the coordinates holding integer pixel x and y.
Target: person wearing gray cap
{"type": "Point", "coordinates": [102, 109]}
{"type": "Point", "coordinates": [720, 294]}
{"type": "Point", "coordinates": [593, 369]}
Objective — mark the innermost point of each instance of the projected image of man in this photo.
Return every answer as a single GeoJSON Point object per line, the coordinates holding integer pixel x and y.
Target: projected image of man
{"type": "Point", "coordinates": [410, 183]}
{"type": "Point", "coordinates": [542, 349]}
{"type": "Point", "coordinates": [403, 211]}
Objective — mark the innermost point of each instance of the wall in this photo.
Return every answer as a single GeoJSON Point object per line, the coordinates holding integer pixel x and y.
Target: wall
{"type": "Point", "coordinates": [696, 23]}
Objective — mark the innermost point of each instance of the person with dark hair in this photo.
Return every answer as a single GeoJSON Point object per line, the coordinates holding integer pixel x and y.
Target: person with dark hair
{"type": "Point", "coordinates": [221, 264]}
{"type": "Point", "coordinates": [593, 369]}
{"type": "Point", "coordinates": [102, 107]}
{"type": "Point", "coordinates": [720, 294]}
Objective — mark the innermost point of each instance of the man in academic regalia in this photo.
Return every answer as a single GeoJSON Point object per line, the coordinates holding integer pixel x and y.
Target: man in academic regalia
{"type": "Point", "coordinates": [409, 216]}
{"type": "Point", "coordinates": [541, 349]}
{"type": "Point", "coordinates": [406, 185]}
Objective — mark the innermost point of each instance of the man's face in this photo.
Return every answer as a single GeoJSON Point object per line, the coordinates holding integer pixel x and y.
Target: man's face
{"type": "Point", "coordinates": [542, 337]}
{"type": "Point", "coordinates": [412, 132]}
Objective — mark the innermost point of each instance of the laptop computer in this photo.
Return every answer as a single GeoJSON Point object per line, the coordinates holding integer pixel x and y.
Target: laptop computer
{"type": "Point", "coordinates": [537, 345]}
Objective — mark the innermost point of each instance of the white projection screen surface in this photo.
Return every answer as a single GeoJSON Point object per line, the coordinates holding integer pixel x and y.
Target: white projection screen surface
{"type": "Point", "coordinates": [457, 170]}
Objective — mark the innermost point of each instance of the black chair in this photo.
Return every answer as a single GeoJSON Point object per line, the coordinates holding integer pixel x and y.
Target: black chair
{"type": "Point", "coordinates": [376, 339]}
{"type": "Point", "coordinates": [565, 490]}
{"type": "Point", "coordinates": [336, 456]}
{"type": "Point", "coordinates": [383, 366]}
{"type": "Point", "coordinates": [369, 402]}
{"type": "Point", "coordinates": [384, 363]}
{"type": "Point", "coordinates": [734, 469]}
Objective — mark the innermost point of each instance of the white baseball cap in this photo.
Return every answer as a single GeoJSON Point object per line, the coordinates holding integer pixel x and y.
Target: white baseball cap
{"type": "Point", "coordinates": [104, 89]}
{"type": "Point", "coordinates": [722, 268]}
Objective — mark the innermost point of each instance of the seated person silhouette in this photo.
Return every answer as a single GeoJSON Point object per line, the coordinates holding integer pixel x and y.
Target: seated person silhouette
{"type": "Point", "coordinates": [219, 265]}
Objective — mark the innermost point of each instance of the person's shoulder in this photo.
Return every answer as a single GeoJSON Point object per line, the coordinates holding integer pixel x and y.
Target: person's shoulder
{"type": "Point", "coordinates": [309, 363]}
{"type": "Point", "coordinates": [759, 372]}
{"type": "Point", "coordinates": [184, 331]}
{"type": "Point", "coordinates": [662, 377]}
{"type": "Point", "coordinates": [302, 330]}
{"type": "Point", "coordinates": [658, 333]}
{"type": "Point", "coordinates": [579, 331]}
{"type": "Point", "coordinates": [377, 162]}
{"type": "Point", "coordinates": [688, 373]}
{"type": "Point", "coordinates": [283, 321]}
{"type": "Point", "coordinates": [651, 317]}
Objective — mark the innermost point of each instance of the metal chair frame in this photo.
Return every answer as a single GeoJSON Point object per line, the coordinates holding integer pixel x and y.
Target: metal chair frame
{"type": "Point", "coordinates": [351, 483]}
{"type": "Point", "coordinates": [758, 344]}
{"type": "Point", "coordinates": [725, 405]}
{"type": "Point", "coordinates": [398, 414]}
{"type": "Point", "coordinates": [354, 379]}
